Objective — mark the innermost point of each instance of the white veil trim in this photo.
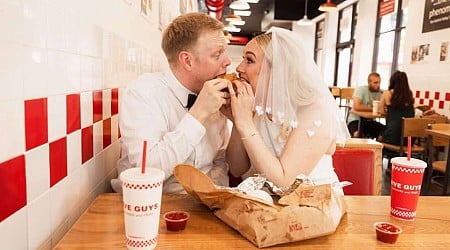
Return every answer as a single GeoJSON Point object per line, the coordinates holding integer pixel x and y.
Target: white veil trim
{"type": "Point", "coordinates": [293, 82]}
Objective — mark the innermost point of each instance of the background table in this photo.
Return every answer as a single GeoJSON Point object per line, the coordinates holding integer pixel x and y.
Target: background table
{"type": "Point", "coordinates": [444, 133]}
{"type": "Point", "coordinates": [102, 226]}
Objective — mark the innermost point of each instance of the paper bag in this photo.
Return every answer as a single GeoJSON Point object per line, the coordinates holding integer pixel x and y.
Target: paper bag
{"type": "Point", "coordinates": [308, 212]}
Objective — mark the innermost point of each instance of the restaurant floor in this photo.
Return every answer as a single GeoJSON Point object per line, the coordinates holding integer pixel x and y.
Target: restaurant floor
{"type": "Point", "coordinates": [434, 189]}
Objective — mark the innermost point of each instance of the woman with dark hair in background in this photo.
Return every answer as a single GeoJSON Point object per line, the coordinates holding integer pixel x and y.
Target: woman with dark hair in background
{"type": "Point", "coordinates": [396, 103]}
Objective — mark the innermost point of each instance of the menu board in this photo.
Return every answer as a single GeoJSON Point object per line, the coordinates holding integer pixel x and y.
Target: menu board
{"type": "Point", "coordinates": [436, 15]}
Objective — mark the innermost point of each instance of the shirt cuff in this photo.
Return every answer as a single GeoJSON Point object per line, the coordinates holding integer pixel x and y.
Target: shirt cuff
{"type": "Point", "coordinates": [191, 128]}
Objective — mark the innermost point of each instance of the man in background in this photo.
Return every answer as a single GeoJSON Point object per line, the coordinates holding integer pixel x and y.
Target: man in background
{"type": "Point", "coordinates": [362, 101]}
{"type": "Point", "coordinates": [178, 111]}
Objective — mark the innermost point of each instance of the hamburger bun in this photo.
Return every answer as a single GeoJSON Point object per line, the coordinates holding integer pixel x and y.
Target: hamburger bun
{"type": "Point", "coordinates": [230, 77]}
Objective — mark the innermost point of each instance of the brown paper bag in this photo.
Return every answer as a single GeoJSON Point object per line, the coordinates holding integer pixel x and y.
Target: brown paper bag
{"type": "Point", "coordinates": [308, 212]}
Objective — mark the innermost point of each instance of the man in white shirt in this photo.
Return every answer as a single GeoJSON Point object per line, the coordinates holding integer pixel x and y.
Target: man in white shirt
{"type": "Point", "coordinates": [156, 106]}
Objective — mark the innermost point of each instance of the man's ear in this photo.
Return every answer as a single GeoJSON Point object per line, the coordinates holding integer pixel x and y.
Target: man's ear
{"type": "Point", "coordinates": [185, 59]}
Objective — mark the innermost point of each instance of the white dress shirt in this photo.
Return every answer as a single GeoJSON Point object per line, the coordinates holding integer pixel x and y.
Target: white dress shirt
{"type": "Point", "coordinates": [153, 108]}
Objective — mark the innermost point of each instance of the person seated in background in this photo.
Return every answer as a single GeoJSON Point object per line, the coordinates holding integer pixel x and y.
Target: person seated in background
{"type": "Point", "coordinates": [277, 130]}
{"type": "Point", "coordinates": [362, 101]}
{"type": "Point", "coordinates": [178, 111]}
{"type": "Point", "coordinates": [397, 102]}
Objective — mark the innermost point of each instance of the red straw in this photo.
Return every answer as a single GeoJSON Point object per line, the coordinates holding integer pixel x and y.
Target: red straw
{"type": "Point", "coordinates": [409, 148]}
{"type": "Point", "coordinates": [144, 156]}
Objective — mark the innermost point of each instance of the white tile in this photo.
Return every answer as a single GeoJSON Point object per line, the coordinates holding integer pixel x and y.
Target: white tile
{"type": "Point", "coordinates": [91, 39]}
{"type": "Point", "coordinates": [106, 103]}
{"type": "Point", "coordinates": [11, 13]}
{"type": "Point", "coordinates": [37, 169]}
{"type": "Point", "coordinates": [86, 109]}
{"type": "Point", "coordinates": [111, 155]}
{"type": "Point", "coordinates": [73, 73]}
{"type": "Point", "coordinates": [39, 229]}
{"type": "Point", "coordinates": [98, 137]}
{"type": "Point", "coordinates": [12, 126]}
{"type": "Point", "coordinates": [57, 77]}
{"type": "Point", "coordinates": [73, 151]}
{"type": "Point", "coordinates": [72, 30]}
{"type": "Point", "coordinates": [86, 80]}
{"type": "Point", "coordinates": [13, 231]}
{"type": "Point", "coordinates": [97, 74]}
{"type": "Point", "coordinates": [63, 198]}
{"type": "Point", "coordinates": [56, 117]}
{"type": "Point", "coordinates": [56, 19]}
{"type": "Point", "coordinates": [11, 70]}
{"type": "Point", "coordinates": [35, 23]}
{"type": "Point", "coordinates": [36, 72]}
{"type": "Point", "coordinates": [114, 128]}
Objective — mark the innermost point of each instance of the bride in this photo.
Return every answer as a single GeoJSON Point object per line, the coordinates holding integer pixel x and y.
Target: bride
{"type": "Point", "coordinates": [286, 122]}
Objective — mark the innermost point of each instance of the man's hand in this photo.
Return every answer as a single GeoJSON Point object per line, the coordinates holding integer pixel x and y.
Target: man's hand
{"type": "Point", "coordinates": [210, 99]}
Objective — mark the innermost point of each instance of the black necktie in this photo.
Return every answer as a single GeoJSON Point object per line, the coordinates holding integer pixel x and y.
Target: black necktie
{"type": "Point", "coordinates": [191, 100]}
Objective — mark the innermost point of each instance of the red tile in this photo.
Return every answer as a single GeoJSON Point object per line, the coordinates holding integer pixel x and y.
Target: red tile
{"type": "Point", "coordinates": [430, 103]}
{"type": "Point", "coordinates": [106, 132]}
{"type": "Point", "coordinates": [97, 103]}
{"type": "Point", "coordinates": [73, 112]}
{"type": "Point", "coordinates": [436, 95]}
{"type": "Point", "coordinates": [441, 104]}
{"type": "Point", "coordinates": [58, 160]}
{"type": "Point", "coordinates": [417, 93]}
{"type": "Point", "coordinates": [13, 186]}
{"type": "Point", "coordinates": [427, 94]}
{"type": "Point", "coordinates": [421, 101]}
{"type": "Point", "coordinates": [87, 144]}
{"type": "Point", "coordinates": [36, 122]}
{"type": "Point", "coordinates": [447, 96]}
{"type": "Point", "coordinates": [114, 101]}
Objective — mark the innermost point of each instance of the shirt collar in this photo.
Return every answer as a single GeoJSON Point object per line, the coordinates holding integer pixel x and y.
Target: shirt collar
{"type": "Point", "coordinates": [178, 89]}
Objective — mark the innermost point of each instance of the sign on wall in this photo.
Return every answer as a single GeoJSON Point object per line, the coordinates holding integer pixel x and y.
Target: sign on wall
{"type": "Point", "coordinates": [436, 15]}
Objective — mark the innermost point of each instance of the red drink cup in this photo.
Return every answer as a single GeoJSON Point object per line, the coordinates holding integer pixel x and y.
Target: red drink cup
{"type": "Point", "coordinates": [406, 182]}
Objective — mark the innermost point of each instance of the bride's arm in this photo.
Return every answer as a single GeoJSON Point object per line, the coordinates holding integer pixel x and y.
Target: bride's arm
{"type": "Point", "coordinates": [236, 155]}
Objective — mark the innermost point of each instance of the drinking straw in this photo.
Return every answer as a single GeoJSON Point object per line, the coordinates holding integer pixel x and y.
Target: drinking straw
{"type": "Point", "coordinates": [144, 156]}
{"type": "Point", "coordinates": [409, 148]}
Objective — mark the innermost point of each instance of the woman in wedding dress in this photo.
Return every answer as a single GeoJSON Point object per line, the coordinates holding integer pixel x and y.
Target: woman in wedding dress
{"type": "Point", "coordinates": [285, 121]}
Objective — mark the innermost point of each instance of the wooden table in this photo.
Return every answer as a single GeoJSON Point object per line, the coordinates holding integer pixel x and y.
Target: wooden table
{"type": "Point", "coordinates": [366, 115]}
{"type": "Point", "coordinates": [102, 226]}
{"type": "Point", "coordinates": [443, 133]}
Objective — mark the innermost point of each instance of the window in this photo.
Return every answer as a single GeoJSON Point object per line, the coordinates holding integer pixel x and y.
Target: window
{"type": "Point", "coordinates": [344, 46]}
{"type": "Point", "coordinates": [389, 40]}
{"type": "Point", "coordinates": [319, 42]}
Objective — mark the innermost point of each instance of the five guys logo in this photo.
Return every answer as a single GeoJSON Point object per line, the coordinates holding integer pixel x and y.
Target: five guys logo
{"type": "Point", "coordinates": [139, 208]}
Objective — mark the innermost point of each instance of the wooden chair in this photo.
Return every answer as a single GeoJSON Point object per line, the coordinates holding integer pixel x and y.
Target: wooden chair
{"type": "Point", "coordinates": [435, 165]}
{"type": "Point", "coordinates": [414, 127]}
{"type": "Point", "coordinates": [345, 99]}
{"type": "Point", "coordinates": [335, 91]}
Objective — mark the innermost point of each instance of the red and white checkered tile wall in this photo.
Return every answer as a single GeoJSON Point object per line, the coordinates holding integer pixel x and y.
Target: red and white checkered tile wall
{"type": "Point", "coordinates": [438, 100]}
{"type": "Point", "coordinates": [52, 126]}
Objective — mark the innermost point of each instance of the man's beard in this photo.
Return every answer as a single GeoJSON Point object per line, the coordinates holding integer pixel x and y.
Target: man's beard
{"type": "Point", "coordinates": [372, 89]}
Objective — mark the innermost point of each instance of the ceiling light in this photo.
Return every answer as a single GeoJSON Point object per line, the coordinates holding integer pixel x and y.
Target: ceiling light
{"type": "Point", "coordinates": [233, 18]}
{"type": "Point", "coordinates": [239, 5]}
{"type": "Point", "coordinates": [231, 28]}
{"type": "Point", "coordinates": [305, 21]}
{"type": "Point", "coordinates": [328, 6]}
{"type": "Point", "coordinates": [251, 1]}
{"type": "Point", "coordinates": [242, 12]}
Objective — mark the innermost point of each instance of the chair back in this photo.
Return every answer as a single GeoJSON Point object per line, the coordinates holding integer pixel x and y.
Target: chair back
{"type": "Point", "coordinates": [356, 166]}
{"type": "Point", "coordinates": [347, 93]}
{"type": "Point", "coordinates": [335, 91]}
{"type": "Point", "coordinates": [415, 127]}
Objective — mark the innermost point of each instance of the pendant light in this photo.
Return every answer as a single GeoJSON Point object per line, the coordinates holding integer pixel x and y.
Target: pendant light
{"type": "Point", "coordinates": [305, 21]}
{"type": "Point", "coordinates": [239, 5]}
{"type": "Point", "coordinates": [328, 6]}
